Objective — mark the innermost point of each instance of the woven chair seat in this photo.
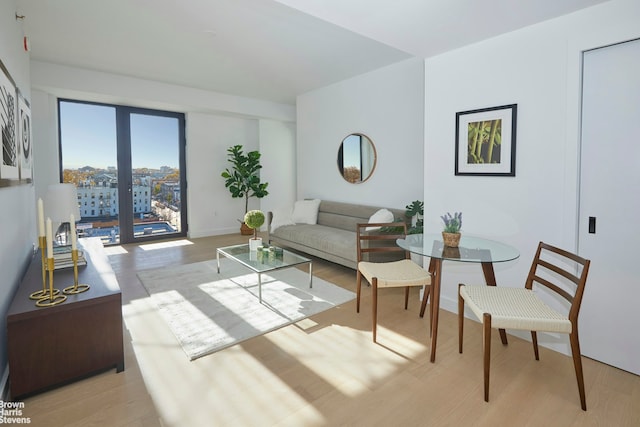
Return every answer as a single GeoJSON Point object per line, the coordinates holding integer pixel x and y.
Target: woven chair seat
{"type": "Point", "coordinates": [514, 308]}
{"type": "Point", "coordinates": [395, 274]}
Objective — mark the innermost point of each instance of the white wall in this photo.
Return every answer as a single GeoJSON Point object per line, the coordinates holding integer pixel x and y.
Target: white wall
{"type": "Point", "coordinates": [278, 159]}
{"type": "Point", "coordinates": [98, 86]}
{"type": "Point", "coordinates": [17, 212]}
{"type": "Point", "coordinates": [539, 69]}
{"type": "Point", "coordinates": [214, 122]}
{"type": "Point", "coordinates": [44, 109]}
{"type": "Point", "coordinates": [386, 105]}
{"type": "Point", "coordinates": [212, 210]}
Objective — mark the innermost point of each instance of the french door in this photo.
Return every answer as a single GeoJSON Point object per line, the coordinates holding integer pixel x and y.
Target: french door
{"type": "Point", "coordinates": [128, 167]}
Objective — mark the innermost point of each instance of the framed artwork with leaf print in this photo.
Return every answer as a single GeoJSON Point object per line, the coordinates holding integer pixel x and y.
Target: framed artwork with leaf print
{"type": "Point", "coordinates": [486, 141]}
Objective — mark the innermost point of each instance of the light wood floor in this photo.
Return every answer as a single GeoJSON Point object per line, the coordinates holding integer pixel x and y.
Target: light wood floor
{"type": "Point", "coordinates": [326, 371]}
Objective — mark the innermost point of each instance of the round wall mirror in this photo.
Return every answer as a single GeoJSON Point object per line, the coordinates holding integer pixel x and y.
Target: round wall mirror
{"type": "Point", "coordinates": [356, 158]}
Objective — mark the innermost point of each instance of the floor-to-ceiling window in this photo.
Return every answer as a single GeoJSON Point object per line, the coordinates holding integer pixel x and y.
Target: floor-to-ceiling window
{"type": "Point", "coordinates": [128, 167]}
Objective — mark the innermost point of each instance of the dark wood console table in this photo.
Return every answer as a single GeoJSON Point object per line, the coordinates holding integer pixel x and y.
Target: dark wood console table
{"type": "Point", "coordinates": [51, 346]}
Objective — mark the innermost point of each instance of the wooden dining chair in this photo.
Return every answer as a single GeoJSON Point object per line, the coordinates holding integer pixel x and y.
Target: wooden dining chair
{"type": "Point", "coordinates": [373, 247]}
{"type": "Point", "coordinates": [560, 271]}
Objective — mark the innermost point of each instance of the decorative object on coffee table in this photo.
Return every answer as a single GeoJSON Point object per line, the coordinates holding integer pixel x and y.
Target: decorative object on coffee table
{"type": "Point", "coordinates": [451, 231]}
{"type": "Point", "coordinates": [254, 220]}
{"type": "Point", "coordinates": [243, 178]}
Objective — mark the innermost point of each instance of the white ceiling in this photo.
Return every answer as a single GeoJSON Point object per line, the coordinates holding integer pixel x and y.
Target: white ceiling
{"type": "Point", "coordinates": [266, 49]}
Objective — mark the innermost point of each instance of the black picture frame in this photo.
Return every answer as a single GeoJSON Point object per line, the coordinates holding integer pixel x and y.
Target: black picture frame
{"type": "Point", "coordinates": [486, 141]}
{"type": "Point", "coordinates": [9, 155]}
{"type": "Point", "coordinates": [25, 140]}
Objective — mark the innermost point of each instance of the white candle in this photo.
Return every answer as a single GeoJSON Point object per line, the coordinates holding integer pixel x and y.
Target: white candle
{"type": "Point", "coordinates": [40, 218]}
{"type": "Point", "coordinates": [49, 239]}
{"type": "Point", "coordinates": [72, 224]}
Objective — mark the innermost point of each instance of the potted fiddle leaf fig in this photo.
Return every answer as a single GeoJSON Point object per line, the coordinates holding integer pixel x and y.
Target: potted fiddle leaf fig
{"type": "Point", "coordinates": [242, 178]}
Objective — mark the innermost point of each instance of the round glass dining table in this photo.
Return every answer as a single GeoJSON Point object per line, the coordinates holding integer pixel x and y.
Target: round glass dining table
{"type": "Point", "coordinates": [472, 250]}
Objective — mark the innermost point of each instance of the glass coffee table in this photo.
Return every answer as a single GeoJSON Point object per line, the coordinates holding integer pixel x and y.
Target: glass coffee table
{"type": "Point", "coordinates": [263, 263]}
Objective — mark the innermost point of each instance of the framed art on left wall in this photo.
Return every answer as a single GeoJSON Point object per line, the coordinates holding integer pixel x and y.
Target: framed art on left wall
{"type": "Point", "coordinates": [25, 149]}
{"type": "Point", "coordinates": [9, 169]}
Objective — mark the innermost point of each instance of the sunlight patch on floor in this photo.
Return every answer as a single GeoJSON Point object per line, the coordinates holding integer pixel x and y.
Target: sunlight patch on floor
{"type": "Point", "coordinates": [254, 395]}
{"type": "Point", "coordinates": [164, 245]}
{"type": "Point", "coordinates": [306, 324]}
{"type": "Point", "coordinates": [115, 250]}
{"type": "Point", "coordinates": [353, 354]}
{"type": "Point", "coordinates": [189, 321]}
{"type": "Point", "coordinates": [189, 392]}
{"type": "Point", "coordinates": [406, 347]}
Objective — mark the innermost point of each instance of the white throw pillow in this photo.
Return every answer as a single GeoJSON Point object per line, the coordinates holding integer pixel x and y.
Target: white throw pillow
{"type": "Point", "coordinates": [383, 215]}
{"type": "Point", "coordinates": [306, 211]}
{"type": "Point", "coordinates": [281, 216]}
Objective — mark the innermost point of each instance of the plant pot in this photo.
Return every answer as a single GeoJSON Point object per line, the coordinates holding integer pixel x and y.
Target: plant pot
{"type": "Point", "coordinates": [245, 230]}
{"type": "Point", "coordinates": [254, 243]}
{"type": "Point", "coordinates": [451, 239]}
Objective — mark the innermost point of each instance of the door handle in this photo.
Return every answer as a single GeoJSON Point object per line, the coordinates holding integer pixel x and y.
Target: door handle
{"type": "Point", "coordinates": [592, 225]}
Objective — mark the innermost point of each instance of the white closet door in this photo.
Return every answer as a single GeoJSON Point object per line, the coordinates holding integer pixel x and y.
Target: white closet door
{"type": "Point", "coordinates": [610, 193]}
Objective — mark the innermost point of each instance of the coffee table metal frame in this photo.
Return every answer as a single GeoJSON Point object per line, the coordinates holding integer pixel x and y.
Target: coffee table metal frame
{"type": "Point", "coordinates": [242, 255]}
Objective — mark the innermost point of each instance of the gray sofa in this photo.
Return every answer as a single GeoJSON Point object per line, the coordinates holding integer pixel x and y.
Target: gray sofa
{"type": "Point", "coordinates": [333, 237]}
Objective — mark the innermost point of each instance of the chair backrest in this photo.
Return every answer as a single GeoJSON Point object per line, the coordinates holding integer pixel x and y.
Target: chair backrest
{"type": "Point", "coordinates": [379, 245]}
{"type": "Point", "coordinates": [562, 272]}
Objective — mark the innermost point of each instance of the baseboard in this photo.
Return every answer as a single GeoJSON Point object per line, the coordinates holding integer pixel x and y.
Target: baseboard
{"type": "Point", "coordinates": [194, 234]}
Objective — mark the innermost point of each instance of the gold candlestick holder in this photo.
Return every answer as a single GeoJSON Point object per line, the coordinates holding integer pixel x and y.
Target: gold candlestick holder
{"type": "Point", "coordinates": [42, 242]}
{"type": "Point", "coordinates": [54, 298]}
{"type": "Point", "coordinates": [76, 288]}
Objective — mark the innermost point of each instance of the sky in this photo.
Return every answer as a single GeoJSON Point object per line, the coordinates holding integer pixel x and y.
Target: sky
{"type": "Point", "coordinates": [351, 151]}
{"type": "Point", "coordinates": [88, 134]}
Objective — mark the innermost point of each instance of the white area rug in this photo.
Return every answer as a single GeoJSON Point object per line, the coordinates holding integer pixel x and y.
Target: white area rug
{"type": "Point", "coordinates": [207, 311]}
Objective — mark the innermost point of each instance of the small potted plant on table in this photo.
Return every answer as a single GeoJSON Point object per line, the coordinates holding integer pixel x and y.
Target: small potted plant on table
{"type": "Point", "coordinates": [451, 231]}
{"type": "Point", "coordinates": [254, 220]}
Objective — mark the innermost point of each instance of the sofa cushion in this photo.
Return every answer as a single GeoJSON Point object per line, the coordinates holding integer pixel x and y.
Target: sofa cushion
{"type": "Point", "coordinates": [327, 239]}
{"type": "Point", "coordinates": [282, 216]}
{"type": "Point", "coordinates": [306, 211]}
{"type": "Point", "coordinates": [381, 215]}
